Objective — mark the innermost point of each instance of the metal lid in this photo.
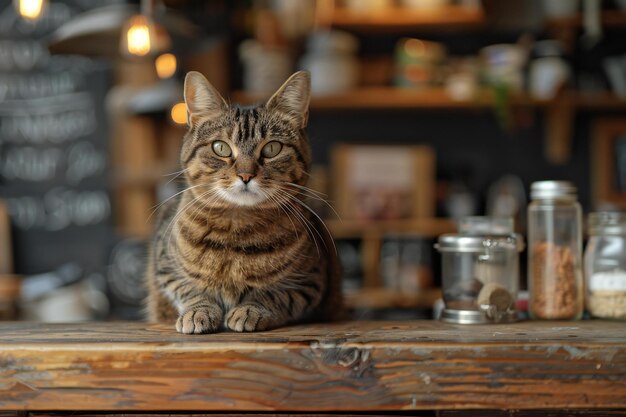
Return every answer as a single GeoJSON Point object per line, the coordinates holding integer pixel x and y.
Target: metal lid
{"type": "Point", "coordinates": [474, 317]}
{"type": "Point", "coordinates": [486, 226]}
{"type": "Point", "coordinates": [607, 223]}
{"type": "Point", "coordinates": [553, 189]}
{"type": "Point", "coordinates": [465, 243]}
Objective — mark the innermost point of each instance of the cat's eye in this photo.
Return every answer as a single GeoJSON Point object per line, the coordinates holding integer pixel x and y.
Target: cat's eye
{"type": "Point", "coordinates": [221, 148]}
{"type": "Point", "coordinates": [271, 149]}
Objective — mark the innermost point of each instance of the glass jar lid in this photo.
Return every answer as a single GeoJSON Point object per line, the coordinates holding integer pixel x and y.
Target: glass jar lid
{"type": "Point", "coordinates": [553, 189]}
{"type": "Point", "coordinates": [486, 226]}
{"type": "Point", "coordinates": [465, 243]}
{"type": "Point", "coordinates": [607, 223]}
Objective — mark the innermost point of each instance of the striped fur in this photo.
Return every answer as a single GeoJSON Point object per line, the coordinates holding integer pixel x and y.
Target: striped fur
{"type": "Point", "coordinates": [236, 255]}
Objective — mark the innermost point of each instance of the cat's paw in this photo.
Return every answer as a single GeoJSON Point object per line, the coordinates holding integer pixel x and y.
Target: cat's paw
{"type": "Point", "coordinates": [249, 318]}
{"type": "Point", "coordinates": [199, 320]}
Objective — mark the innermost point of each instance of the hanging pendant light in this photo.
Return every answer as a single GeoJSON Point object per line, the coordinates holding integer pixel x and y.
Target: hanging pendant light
{"type": "Point", "coordinates": [138, 34]}
{"type": "Point", "coordinates": [30, 9]}
{"type": "Point", "coordinates": [103, 31]}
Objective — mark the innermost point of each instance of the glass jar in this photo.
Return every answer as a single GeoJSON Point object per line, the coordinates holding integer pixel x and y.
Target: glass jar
{"type": "Point", "coordinates": [605, 265]}
{"type": "Point", "coordinates": [555, 276]}
{"type": "Point", "coordinates": [480, 274]}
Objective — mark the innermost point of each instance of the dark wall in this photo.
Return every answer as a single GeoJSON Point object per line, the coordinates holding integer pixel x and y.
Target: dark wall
{"type": "Point", "coordinates": [471, 144]}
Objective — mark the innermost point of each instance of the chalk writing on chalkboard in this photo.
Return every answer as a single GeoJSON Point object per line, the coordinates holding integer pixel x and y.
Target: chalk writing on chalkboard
{"type": "Point", "coordinates": [22, 55]}
{"type": "Point", "coordinates": [53, 144]}
{"type": "Point", "coordinates": [28, 163]}
{"type": "Point", "coordinates": [59, 209]}
{"type": "Point", "coordinates": [55, 119]}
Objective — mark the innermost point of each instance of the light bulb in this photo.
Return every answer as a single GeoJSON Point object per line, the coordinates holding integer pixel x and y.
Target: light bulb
{"type": "Point", "coordinates": [138, 36]}
{"type": "Point", "coordinates": [179, 113]}
{"type": "Point", "coordinates": [165, 65]}
{"type": "Point", "coordinates": [30, 9]}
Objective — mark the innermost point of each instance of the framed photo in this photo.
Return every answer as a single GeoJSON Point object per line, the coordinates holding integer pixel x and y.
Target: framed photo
{"type": "Point", "coordinates": [381, 182]}
{"type": "Point", "coordinates": [609, 163]}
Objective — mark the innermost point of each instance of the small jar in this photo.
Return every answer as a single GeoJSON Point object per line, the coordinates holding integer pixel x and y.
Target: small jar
{"type": "Point", "coordinates": [480, 273]}
{"type": "Point", "coordinates": [605, 266]}
{"type": "Point", "coordinates": [555, 279]}
{"type": "Point", "coordinates": [418, 63]}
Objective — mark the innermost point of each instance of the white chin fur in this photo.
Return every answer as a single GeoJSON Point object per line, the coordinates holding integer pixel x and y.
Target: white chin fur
{"type": "Point", "coordinates": [241, 195]}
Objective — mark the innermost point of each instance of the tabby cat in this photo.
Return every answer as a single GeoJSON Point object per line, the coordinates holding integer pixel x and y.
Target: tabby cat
{"type": "Point", "coordinates": [239, 248]}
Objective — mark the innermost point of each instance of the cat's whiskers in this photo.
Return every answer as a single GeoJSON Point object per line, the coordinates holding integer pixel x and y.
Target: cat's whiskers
{"type": "Point", "coordinates": [200, 209]}
{"type": "Point", "coordinates": [283, 202]}
{"type": "Point", "coordinates": [286, 197]}
{"type": "Point", "coordinates": [211, 199]}
{"type": "Point", "coordinates": [176, 175]}
{"type": "Point", "coordinates": [156, 207]}
{"type": "Point", "coordinates": [311, 193]}
{"type": "Point", "coordinates": [304, 188]}
{"type": "Point", "coordinates": [170, 229]}
{"type": "Point", "coordinates": [303, 204]}
{"type": "Point", "coordinates": [273, 198]}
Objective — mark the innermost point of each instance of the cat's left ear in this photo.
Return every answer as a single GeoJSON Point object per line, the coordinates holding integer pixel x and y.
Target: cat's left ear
{"type": "Point", "coordinates": [201, 98]}
{"type": "Point", "coordinates": [293, 97]}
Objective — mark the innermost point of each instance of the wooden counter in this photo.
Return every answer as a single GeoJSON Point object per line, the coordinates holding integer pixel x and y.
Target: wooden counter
{"type": "Point", "coordinates": [371, 367]}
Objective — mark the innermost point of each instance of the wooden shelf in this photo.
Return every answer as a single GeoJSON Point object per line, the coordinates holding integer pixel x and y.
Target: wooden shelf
{"type": "Point", "coordinates": [354, 229]}
{"type": "Point", "coordinates": [384, 98]}
{"type": "Point", "coordinates": [402, 19]}
{"type": "Point", "coordinates": [382, 298]}
{"type": "Point", "coordinates": [597, 101]}
{"type": "Point", "coordinates": [609, 18]}
{"type": "Point", "coordinates": [396, 98]}
{"type": "Point", "coordinates": [560, 112]}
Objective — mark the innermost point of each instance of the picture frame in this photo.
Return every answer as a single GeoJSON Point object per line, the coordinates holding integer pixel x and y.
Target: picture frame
{"type": "Point", "coordinates": [383, 182]}
{"type": "Point", "coordinates": [609, 164]}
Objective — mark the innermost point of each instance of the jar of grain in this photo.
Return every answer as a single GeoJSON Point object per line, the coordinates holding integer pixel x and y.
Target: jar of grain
{"type": "Point", "coordinates": [555, 279]}
{"type": "Point", "coordinates": [605, 265]}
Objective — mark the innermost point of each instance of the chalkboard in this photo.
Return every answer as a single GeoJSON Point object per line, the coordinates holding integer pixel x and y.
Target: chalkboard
{"type": "Point", "coordinates": [53, 144]}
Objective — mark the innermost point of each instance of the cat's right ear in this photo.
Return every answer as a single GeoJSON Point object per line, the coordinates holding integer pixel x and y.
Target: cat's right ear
{"type": "Point", "coordinates": [202, 99]}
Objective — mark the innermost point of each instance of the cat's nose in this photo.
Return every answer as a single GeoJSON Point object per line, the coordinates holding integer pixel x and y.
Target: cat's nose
{"type": "Point", "coordinates": [246, 177]}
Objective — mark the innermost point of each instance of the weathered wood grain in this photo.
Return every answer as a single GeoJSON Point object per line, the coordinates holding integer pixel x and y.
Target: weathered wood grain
{"type": "Point", "coordinates": [348, 367]}
{"type": "Point", "coordinates": [441, 413]}
{"type": "Point", "coordinates": [72, 414]}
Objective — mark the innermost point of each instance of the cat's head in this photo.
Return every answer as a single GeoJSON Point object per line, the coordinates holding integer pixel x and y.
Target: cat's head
{"type": "Point", "coordinates": [243, 156]}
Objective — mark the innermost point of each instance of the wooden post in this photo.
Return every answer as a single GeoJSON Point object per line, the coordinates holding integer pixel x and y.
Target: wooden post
{"type": "Point", "coordinates": [370, 251]}
{"type": "Point", "coordinates": [133, 148]}
{"type": "Point", "coordinates": [6, 248]}
{"type": "Point", "coordinates": [559, 129]}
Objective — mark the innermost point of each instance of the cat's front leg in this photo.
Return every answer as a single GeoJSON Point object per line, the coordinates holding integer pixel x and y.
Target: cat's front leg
{"type": "Point", "coordinates": [198, 311]}
{"type": "Point", "coordinates": [274, 306]}
{"type": "Point", "coordinates": [250, 317]}
{"type": "Point", "coordinates": [200, 318]}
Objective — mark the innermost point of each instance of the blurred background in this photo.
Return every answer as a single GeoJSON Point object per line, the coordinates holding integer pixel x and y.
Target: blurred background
{"type": "Point", "coordinates": [423, 112]}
